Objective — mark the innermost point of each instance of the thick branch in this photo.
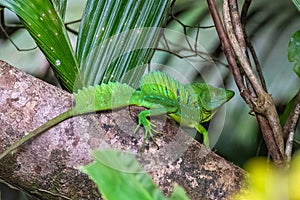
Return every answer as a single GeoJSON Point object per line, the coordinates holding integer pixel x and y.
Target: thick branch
{"type": "Point", "coordinates": [47, 167]}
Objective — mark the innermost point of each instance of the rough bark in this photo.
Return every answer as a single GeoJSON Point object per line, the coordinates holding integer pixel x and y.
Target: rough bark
{"type": "Point", "coordinates": [47, 167]}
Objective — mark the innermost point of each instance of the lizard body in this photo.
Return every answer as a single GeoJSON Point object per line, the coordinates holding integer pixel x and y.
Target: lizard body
{"type": "Point", "coordinates": [189, 104]}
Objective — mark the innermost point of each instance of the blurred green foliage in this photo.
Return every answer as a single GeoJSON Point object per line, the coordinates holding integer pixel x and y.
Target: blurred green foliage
{"type": "Point", "coordinates": [294, 51]}
{"type": "Point", "coordinates": [119, 176]}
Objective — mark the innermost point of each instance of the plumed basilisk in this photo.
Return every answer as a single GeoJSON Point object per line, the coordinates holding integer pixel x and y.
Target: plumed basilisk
{"type": "Point", "coordinates": [188, 104]}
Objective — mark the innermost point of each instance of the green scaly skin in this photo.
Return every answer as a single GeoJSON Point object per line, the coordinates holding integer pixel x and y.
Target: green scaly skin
{"type": "Point", "coordinates": [189, 105]}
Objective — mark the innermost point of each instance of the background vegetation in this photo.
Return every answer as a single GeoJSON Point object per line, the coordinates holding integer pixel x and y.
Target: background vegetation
{"type": "Point", "coordinates": [270, 26]}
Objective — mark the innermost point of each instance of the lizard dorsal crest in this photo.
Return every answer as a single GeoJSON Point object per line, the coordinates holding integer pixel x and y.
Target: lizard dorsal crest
{"type": "Point", "coordinates": [160, 85]}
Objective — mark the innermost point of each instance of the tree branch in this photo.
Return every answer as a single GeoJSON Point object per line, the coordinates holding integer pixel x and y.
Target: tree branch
{"type": "Point", "coordinates": [228, 51]}
{"type": "Point", "coordinates": [290, 126]}
{"type": "Point", "coordinates": [293, 118]}
{"type": "Point", "coordinates": [234, 45]}
{"type": "Point", "coordinates": [47, 167]}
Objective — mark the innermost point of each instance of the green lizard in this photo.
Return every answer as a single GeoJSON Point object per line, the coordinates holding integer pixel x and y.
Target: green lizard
{"type": "Point", "coordinates": [189, 104]}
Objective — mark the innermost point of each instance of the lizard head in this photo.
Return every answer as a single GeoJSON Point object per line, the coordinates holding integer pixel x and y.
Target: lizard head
{"type": "Point", "coordinates": [209, 97]}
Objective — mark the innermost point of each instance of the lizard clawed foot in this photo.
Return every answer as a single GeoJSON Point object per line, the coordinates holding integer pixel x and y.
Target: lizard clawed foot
{"type": "Point", "coordinates": [148, 126]}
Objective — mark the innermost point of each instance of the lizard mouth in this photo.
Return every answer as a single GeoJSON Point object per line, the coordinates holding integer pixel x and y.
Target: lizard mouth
{"type": "Point", "coordinates": [229, 94]}
{"type": "Point", "coordinates": [217, 100]}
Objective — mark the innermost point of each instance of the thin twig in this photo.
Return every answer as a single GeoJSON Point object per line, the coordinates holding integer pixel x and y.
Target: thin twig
{"type": "Point", "coordinates": [75, 32]}
{"type": "Point", "coordinates": [244, 13]}
{"type": "Point", "coordinates": [237, 26]}
{"type": "Point", "coordinates": [297, 141]}
{"type": "Point", "coordinates": [2, 28]}
{"type": "Point", "coordinates": [289, 146]}
{"type": "Point", "coordinates": [290, 127]}
{"type": "Point", "coordinates": [181, 23]}
{"type": "Point", "coordinates": [270, 140]}
{"type": "Point", "coordinates": [52, 193]}
{"type": "Point", "coordinates": [257, 65]}
{"type": "Point", "coordinates": [293, 118]}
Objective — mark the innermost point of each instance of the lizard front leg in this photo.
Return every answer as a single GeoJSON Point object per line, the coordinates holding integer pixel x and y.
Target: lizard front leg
{"type": "Point", "coordinates": [148, 126]}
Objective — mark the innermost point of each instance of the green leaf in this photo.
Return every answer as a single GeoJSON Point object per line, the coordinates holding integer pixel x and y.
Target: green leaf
{"type": "Point", "coordinates": [294, 51]}
{"type": "Point", "coordinates": [60, 7]}
{"type": "Point", "coordinates": [178, 193]}
{"type": "Point", "coordinates": [297, 4]}
{"type": "Point", "coordinates": [288, 109]}
{"type": "Point", "coordinates": [119, 176]}
{"type": "Point", "coordinates": [46, 27]}
{"type": "Point", "coordinates": [106, 50]}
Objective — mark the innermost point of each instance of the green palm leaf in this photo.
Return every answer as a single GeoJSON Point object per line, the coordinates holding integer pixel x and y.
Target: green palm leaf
{"type": "Point", "coordinates": [103, 58]}
{"type": "Point", "coordinates": [47, 28]}
{"type": "Point", "coordinates": [61, 7]}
